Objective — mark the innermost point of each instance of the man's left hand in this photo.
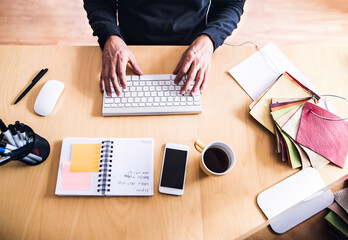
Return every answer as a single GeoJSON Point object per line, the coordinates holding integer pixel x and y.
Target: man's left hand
{"type": "Point", "coordinates": [195, 63]}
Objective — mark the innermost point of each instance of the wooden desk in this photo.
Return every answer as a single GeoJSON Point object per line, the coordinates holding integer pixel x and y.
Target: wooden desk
{"type": "Point", "coordinates": [211, 208]}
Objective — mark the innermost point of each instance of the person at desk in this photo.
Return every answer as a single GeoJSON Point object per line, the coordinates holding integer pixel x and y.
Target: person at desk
{"type": "Point", "coordinates": [202, 24]}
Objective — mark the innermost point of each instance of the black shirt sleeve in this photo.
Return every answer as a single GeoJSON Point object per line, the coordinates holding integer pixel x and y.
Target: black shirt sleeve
{"type": "Point", "coordinates": [222, 19]}
{"type": "Point", "coordinates": [102, 18]}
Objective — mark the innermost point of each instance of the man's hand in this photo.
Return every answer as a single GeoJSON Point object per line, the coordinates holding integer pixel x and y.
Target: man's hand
{"type": "Point", "coordinates": [195, 62]}
{"type": "Point", "coordinates": [115, 57]}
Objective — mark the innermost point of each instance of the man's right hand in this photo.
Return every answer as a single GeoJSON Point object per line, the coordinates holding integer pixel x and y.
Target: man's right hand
{"type": "Point", "coordinates": [115, 57]}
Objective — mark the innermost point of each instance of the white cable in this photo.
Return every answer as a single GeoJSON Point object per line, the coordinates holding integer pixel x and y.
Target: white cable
{"type": "Point", "coordinates": [258, 49]}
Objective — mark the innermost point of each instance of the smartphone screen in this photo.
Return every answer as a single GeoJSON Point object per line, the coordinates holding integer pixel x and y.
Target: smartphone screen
{"type": "Point", "coordinates": [173, 173]}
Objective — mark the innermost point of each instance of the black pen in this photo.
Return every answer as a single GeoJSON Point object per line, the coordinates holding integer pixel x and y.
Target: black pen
{"type": "Point", "coordinates": [7, 133]}
{"type": "Point", "coordinates": [35, 80]}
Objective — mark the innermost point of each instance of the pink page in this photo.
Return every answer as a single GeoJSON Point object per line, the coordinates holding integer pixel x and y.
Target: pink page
{"type": "Point", "coordinates": [328, 138]}
{"type": "Point", "coordinates": [75, 180]}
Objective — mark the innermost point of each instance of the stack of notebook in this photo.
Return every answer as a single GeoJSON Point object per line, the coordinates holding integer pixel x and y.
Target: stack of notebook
{"type": "Point", "coordinates": [337, 217]}
{"type": "Point", "coordinates": [304, 137]}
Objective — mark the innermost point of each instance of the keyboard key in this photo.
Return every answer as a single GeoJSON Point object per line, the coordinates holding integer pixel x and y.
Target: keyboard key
{"type": "Point", "coordinates": [135, 77]}
{"type": "Point", "coordinates": [108, 100]}
{"type": "Point", "coordinates": [107, 105]}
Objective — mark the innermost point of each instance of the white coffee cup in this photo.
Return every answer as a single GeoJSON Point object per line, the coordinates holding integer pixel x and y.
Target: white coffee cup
{"type": "Point", "coordinates": [228, 159]}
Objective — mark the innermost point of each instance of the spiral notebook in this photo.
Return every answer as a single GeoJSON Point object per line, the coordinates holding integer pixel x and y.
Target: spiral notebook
{"type": "Point", "coordinates": [105, 167]}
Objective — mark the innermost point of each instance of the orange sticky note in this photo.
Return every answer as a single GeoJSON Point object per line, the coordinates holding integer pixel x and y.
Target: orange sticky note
{"type": "Point", "coordinates": [85, 158]}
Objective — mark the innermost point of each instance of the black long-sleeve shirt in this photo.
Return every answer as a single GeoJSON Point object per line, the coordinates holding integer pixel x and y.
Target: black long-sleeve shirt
{"type": "Point", "coordinates": [163, 22]}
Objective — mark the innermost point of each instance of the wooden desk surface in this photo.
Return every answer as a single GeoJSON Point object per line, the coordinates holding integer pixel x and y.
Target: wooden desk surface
{"type": "Point", "coordinates": [211, 208]}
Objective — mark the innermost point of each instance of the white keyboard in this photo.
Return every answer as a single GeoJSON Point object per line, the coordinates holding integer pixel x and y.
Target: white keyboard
{"type": "Point", "coordinates": [155, 94]}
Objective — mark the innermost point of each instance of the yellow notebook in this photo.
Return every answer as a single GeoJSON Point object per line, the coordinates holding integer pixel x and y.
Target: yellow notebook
{"type": "Point", "coordinates": [284, 87]}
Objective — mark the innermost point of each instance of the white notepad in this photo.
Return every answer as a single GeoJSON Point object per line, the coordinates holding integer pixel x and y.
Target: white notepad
{"type": "Point", "coordinates": [259, 71]}
{"type": "Point", "coordinates": [126, 168]}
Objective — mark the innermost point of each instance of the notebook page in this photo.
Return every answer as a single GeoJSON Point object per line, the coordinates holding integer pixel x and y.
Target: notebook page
{"type": "Point", "coordinates": [132, 167]}
{"type": "Point", "coordinates": [65, 155]}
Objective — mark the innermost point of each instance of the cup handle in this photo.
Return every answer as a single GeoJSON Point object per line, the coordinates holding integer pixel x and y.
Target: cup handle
{"type": "Point", "coordinates": [199, 146]}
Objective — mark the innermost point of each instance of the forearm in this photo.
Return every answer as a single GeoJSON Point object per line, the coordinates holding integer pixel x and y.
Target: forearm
{"type": "Point", "coordinates": [102, 18]}
{"type": "Point", "coordinates": [223, 18]}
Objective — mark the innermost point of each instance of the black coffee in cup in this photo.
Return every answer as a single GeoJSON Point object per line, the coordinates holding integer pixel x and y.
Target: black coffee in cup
{"type": "Point", "coordinates": [216, 160]}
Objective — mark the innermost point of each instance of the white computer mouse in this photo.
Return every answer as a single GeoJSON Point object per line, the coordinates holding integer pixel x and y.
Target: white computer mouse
{"type": "Point", "coordinates": [48, 97]}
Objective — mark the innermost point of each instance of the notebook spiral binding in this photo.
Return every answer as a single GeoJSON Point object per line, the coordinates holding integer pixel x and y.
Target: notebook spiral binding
{"type": "Point", "coordinates": [104, 176]}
